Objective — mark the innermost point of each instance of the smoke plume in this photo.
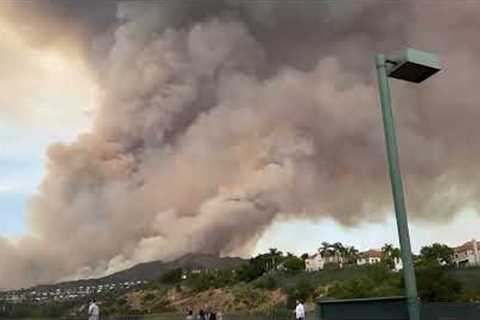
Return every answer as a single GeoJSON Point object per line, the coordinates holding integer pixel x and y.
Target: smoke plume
{"type": "Point", "coordinates": [219, 117]}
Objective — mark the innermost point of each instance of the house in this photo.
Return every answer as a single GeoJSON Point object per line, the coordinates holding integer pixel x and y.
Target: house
{"type": "Point", "coordinates": [318, 261]}
{"type": "Point", "coordinates": [375, 256]}
{"type": "Point", "coordinates": [369, 257]}
{"type": "Point", "coordinates": [467, 254]}
{"type": "Point", "coordinates": [14, 298]}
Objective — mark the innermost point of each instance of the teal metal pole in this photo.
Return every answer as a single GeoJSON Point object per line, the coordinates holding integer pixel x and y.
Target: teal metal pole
{"type": "Point", "coordinates": [397, 189]}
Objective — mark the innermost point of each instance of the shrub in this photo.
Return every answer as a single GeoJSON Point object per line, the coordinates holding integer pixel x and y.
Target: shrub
{"type": "Point", "coordinates": [302, 290]}
{"type": "Point", "coordinates": [294, 264]}
{"type": "Point", "coordinates": [434, 284]}
{"type": "Point", "coordinates": [266, 282]}
{"type": "Point", "coordinates": [149, 297]}
{"type": "Point", "coordinates": [172, 276]}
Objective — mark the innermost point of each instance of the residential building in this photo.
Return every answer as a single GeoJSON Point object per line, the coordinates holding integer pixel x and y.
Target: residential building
{"type": "Point", "coordinates": [467, 254]}
{"type": "Point", "coordinates": [369, 257]}
{"type": "Point", "coordinates": [318, 261]}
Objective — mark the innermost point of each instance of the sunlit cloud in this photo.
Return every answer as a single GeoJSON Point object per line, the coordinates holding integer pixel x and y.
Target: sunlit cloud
{"type": "Point", "coordinates": [42, 87]}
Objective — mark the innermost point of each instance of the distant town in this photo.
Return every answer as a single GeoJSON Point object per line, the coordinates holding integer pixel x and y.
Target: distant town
{"type": "Point", "coordinates": [38, 295]}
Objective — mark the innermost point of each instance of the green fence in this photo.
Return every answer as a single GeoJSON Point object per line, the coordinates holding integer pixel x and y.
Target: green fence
{"type": "Point", "coordinates": [394, 308]}
{"type": "Point", "coordinates": [386, 308]}
{"type": "Point", "coordinates": [450, 311]}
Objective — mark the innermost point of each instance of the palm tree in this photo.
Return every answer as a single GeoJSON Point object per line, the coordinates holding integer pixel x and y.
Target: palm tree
{"type": "Point", "coordinates": [351, 255]}
{"type": "Point", "coordinates": [395, 253]}
{"type": "Point", "coordinates": [326, 249]}
{"type": "Point", "coordinates": [339, 251]}
{"type": "Point", "coordinates": [339, 248]}
{"type": "Point", "coordinates": [275, 257]}
{"type": "Point", "coordinates": [390, 253]}
{"type": "Point", "coordinates": [387, 249]}
{"type": "Point", "coordinates": [274, 251]}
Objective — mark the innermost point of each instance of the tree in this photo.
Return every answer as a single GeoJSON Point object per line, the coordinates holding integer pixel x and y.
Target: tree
{"type": "Point", "coordinates": [350, 254]}
{"type": "Point", "coordinates": [302, 290]}
{"type": "Point", "coordinates": [387, 249]}
{"type": "Point", "coordinates": [251, 271]}
{"type": "Point", "coordinates": [273, 259]}
{"type": "Point", "coordinates": [260, 264]}
{"type": "Point", "coordinates": [434, 284]}
{"type": "Point", "coordinates": [339, 249]}
{"type": "Point", "coordinates": [389, 254]}
{"type": "Point", "coordinates": [326, 250]}
{"type": "Point", "coordinates": [332, 249]}
{"type": "Point", "coordinates": [172, 276]}
{"type": "Point", "coordinates": [436, 254]}
{"type": "Point", "coordinates": [266, 282]}
{"type": "Point", "coordinates": [275, 252]}
{"type": "Point", "coordinates": [293, 264]}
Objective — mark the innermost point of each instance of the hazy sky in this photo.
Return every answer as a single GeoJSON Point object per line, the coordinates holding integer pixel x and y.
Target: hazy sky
{"type": "Point", "coordinates": [154, 129]}
{"type": "Point", "coordinates": [48, 96]}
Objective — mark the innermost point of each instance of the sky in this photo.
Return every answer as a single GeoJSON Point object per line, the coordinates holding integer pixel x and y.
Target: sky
{"type": "Point", "coordinates": [155, 129]}
{"type": "Point", "coordinates": [54, 88]}
{"type": "Point", "coordinates": [46, 98]}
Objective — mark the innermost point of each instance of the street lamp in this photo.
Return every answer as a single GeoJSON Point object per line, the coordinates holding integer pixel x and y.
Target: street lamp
{"type": "Point", "coordinates": [412, 66]}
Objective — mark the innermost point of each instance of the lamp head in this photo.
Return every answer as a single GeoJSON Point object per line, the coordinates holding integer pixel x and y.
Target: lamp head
{"type": "Point", "coordinates": [414, 66]}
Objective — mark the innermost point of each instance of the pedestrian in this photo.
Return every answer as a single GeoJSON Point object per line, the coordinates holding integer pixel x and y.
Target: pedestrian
{"type": "Point", "coordinates": [93, 310]}
{"type": "Point", "coordinates": [208, 313]}
{"type": "Point", "coordinates": [212, 315]}
{"type": "Point", "coordinates": [189, 315]}
{"type": "Point", "coordinates": [300, 311]}
{"type": "Point", "coordinates": [219, 315]}
{"type": "Point", "coordinates": [201, 315]}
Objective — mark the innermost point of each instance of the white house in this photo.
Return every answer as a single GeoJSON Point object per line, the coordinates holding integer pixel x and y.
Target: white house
{"type": "Point", "coordinates": [376, 256]}
{"type": "Point", "coordinates": [467, 254]}
{"type": "Point", "coordinates": [318, 261]}
{"type": "Point", "coordinates": [369, 257]}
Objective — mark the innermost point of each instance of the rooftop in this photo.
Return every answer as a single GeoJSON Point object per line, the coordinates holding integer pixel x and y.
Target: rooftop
{"type": "Point", "coordinates": [372, 253]}
{"type": "Point", "coordinates": [467, 246]}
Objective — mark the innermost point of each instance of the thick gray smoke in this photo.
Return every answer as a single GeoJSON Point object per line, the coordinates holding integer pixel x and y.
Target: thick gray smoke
{"type": "Point", "coordinates": [219, 117]}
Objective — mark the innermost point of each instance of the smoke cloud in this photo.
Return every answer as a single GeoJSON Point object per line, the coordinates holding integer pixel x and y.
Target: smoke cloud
{"type": "Point", "coordinates": [218, 118]}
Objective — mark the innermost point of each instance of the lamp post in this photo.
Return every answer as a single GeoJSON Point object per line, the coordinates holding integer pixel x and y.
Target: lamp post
{"type": "Point", "coordinates": [413, 66]}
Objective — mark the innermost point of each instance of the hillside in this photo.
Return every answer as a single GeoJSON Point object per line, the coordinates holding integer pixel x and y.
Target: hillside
{"type": "Point", "coordinates": [274, 291]}
{"type": "Point", "coordinates": [153, 270]}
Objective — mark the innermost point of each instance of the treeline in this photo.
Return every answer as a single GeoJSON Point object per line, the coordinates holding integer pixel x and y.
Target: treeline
{"type": "Point", "coordinates": [276, 270]}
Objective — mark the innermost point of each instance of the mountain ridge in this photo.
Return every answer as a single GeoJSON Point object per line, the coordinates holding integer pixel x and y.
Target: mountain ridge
{"type": "Point", "coordinates": [152, 270]}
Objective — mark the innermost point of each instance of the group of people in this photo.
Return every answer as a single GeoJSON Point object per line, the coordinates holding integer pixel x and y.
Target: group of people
{"type": "Point", "coordinates": [207, 314]}
{"type": "Point", "coordinates": [211, 315]}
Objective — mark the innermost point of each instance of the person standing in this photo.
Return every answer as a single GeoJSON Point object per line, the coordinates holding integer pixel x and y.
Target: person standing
{"type": "Point", "coordinates": [300, 311]}
{"type": "Point", "coordinates": [93, 310]}
{"type": "Point", "coordinates": [212, 315]}
{"type": "Point", "coordinates": [201, 315]}
{"type": "Point", "coordinates": [189, 315]}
